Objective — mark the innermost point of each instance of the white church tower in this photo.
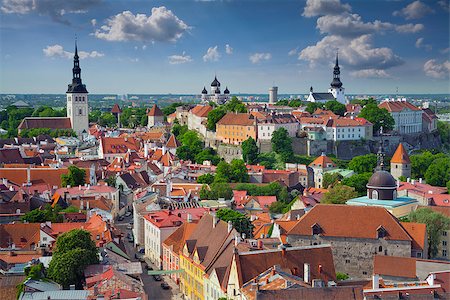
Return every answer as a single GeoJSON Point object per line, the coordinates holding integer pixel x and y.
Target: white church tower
{"type": "Point", "coordinates": [77, 100]}
{"type": "Point", "coordinates": [336, 85]}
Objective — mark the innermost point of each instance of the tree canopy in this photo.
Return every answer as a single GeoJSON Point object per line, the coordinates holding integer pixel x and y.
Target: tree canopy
{"type": "Point", "coordinates": [75, 177]}
{"type": "Point", "coordinates": [250, 151]}
{"type": "Point", "coordinates": [43, 215]}
{"type": "Point", "coordinates": [339, 194]}
{"type": "Point", "coordinates": [75, 250]}
{"type": "Point", "coordinates": [336, 107]}
{"type": "Point", "coordinates": [420, 163]}
{"type": "Point", "coordinates": [234, 105]}
{"type": "Point", "coordinates": [358, 181]}
{"type": "Point", "coordinates": [378, 117]}
{"type": "Point", "coordinates": [438, 173]}
{"type": "Point", "coordinates": [330, 179]}
{"type": "Point", "coordinates": [363, 163]}
{"type": "Point", "coordinates": [436, 224]}
{"type": "Point", "coordinates": [282, 143]}
{"type": "Point", "coordinates": [240, 222]}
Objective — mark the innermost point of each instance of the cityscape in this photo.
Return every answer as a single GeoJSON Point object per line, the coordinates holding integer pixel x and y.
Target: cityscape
{"type": "Point", "coordinates": [224, 150]}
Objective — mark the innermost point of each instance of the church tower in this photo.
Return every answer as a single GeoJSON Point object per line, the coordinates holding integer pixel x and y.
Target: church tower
{"type": "Point", "coordinates": [336, 85]}
{"type": "Point", "coordinates": [77, 100]}
{"type": "Point", "coordinates": [400, 163]}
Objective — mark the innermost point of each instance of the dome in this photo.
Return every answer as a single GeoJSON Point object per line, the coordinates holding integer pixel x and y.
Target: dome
{"type": "Point", "coordinates": [382, 179]}
{"type": "Point", "coordinates": [204, 91]}
{"type": "Point", "coordinates": [217, 91]}
{"type": "Point", "coordinates": [226, 91]}
{"type": "Point", "coordinates": [215, 82]}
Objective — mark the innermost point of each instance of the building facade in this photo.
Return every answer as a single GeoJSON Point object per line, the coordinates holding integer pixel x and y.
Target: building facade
{"type": "Point", "coordinates": [400, 163]}
{"type": "Point", "coordinates": [407, 117]}
{"type": "Point", "coordinates": [275, 121]}
{"type": "Point", "coordinates": [234, 128]}
{"type": "Point", "coordinates": [215, 95]}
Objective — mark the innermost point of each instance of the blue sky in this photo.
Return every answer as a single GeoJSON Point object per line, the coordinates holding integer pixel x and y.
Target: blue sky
{"type": "Point", "coordinates": [178, 46]}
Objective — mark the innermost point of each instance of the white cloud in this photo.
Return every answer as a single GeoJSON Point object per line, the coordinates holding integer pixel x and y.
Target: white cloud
{"type": "Point", "coordinates": [420, 44]}
{"type": "Point", "coordinates": [94, 22]}
{"type": "Point", "coordinates": [161, 25]}
{"type": "Point", "coordinates": [444, 4]}
{"type": "Point", "coordinates": [212, 54]}
{"type": "Point", "coordinates": [437, 70]}
{"type": "Point", "coordinates": [52, 8]}
{"type": "Point", "coordinates": [58, 51]}
{"type": "Point", "coordinates": [446, 50]}
{"type": "Point", "coordinates": [315, 8]}
{"type": "Point", "coordinates": [370, 73]}
{"type": "Point", "coordinates": [414, 10]}
{"type": "Point", "coordinates": [179, 59]}
{"type": "Point", "coordinates": [256, 58]}
{"type": "Point", "coordinates": [409, 28]}
{"type": "Point", "coordinates": [293, 52]}
{"type": "Point", "coordinates": [144, 47]}
{"type": "Point", "coordinates": [228, 49]}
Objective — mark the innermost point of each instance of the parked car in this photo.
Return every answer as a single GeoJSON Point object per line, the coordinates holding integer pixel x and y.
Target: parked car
{"type": "Point", "coordinates": [165, 285]}
{"type": "Point", "coordinates": [157, 277]}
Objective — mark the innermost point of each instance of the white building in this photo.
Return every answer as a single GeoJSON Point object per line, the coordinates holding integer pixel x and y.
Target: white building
{"type": "Point", "coordinates": [335, 92]}
{"type": "Point", "coordinates": [77, 100]}
{"type": "Point", "coordinates": [347, 129]}
{"type": "Point", "coordinates": [215, 96]}
{"type": "Point", "coordinates": [273, 94]}
{"type": "Point", "coordinates": [197, 118]}
{"type": "Point", "coordinates": [407, 117]}
{"type": "Point", "coordinates": [275, 121]}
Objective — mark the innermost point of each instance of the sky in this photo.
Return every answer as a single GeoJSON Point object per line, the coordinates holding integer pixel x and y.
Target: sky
{"type": "Point", "coordinates": [154, 47]}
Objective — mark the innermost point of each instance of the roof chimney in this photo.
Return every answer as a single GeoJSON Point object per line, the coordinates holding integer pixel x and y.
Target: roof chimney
{"type": "Point", "coordinates": [214, 221]}
{"type": "Point", "coordinates": [230, 226]}
{"type": "Point", "coordinates": [375, 281]}
{"type": "Point", "coordinates": [189, 218]}
{"type": "Point", "coordinates": [306, 272]}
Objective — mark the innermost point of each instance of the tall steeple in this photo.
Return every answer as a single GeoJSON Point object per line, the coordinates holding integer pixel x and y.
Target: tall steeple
{"type": "Point", "coordinates": [380, 154]}
{"type": "Point", "coordinates": [336, 83]}
{"type": "Point", "coordinates": [77, 86]}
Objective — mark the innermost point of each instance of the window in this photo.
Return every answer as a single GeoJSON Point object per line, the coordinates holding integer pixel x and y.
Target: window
{"type": "Point", "coordinates": [380, 249]}
{"type": "Point", "coordinates": [375, 195]}
{"type": "Point", "coordinates": [381, 232]}
{"type": "Point", "coordinates": [444, 233]}
{"type": "Point", "coordinates": [347, 261]}
{"type": "Point", "coordinates": [316, 229]}
{"type": "Point", "coordinates": [364, 273]}
{"type": "Point", "coordinates": [444, 243]}
{"type": "Point", "coordinates": [80, 111]}
{"type": "Point", "coordinates": [444, 253]}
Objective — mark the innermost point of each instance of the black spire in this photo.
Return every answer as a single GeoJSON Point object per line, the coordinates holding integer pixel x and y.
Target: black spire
{"type": "Point", "coordinates": [76, 86]}
{"type": "Point", "coordinates": [380, 154]}
{"type": "Point", "coordinates": [336, 83]}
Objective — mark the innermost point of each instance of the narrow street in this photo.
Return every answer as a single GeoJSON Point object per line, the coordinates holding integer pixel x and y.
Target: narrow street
{"type": "Point", "coordinates": [152, 287]}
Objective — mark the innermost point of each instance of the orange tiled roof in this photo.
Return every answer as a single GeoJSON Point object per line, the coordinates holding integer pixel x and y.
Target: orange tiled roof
{"type": "Point", "coordinates": [18, 257]}
{"type": "Point", "coordinates": [22, 235]}
{"type": "Point", "coordinates": [201, 110]}
{"type": "Point", "coordinates": [119, 145]}
{"type": "Point", "coordinates": [322, 161]}
{"type": "Point", "coordinates": [337, 221]}
{"type": "Point", "coordinates": [400, 156]}
{"type": "Point", "coordinates": [397, 106]}
{"type": "Point", "coordinates": [240, 119]}
{"type": "Point", "coordinates": [116, 109]}
{"type": "Point", "coordinates": [179, 236]}
{"type": "Point", "coordinates": [389, 266]}
{"type": "Point", "coordinates": [418, 232]}
{"type": "Point", "coordinates": [173, 142]}
{"type": "Point", "coordinates": [155, 112]}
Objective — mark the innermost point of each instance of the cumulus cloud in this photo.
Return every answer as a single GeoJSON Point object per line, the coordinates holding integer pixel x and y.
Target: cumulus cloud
{"type": "Point", "coordinates": [94, 22]}
{"type": "Point", "coordinates": [315, 8]}
{"type": "Point", "coordinates": [55, 9]}
{"type": "Point", "coordinates": [370, 73]}
{"type": "Point", "coordinates": [421, 44]}
{"type": "Point", "coordinates": [414, 10]}
{"type": "Point", "coordinates": [256, 58]}
{"type": "Point", "coordinates": [437, 70]}
{"type": "Point", "coordinates": [212, 54]}
{"type": "Point", "coordinates": [293, 52]}
{"type": "Point", "coordinates": [228, 49]}
{"type": "Point", "coordinates": [161, 25]}
{"type": "Point", "coordinates": [58, 51]}
{"type": "Point", "coordinates": [179, 59]}
{"type": "Point", "coordinates": [444, 4]}
{"type": "Point", "coordinates": [409, 28]}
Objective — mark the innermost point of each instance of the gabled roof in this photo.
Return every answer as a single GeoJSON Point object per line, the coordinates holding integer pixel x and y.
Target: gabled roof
{"type": "Point", "coordinates": [397, 106]}
{"type": "Point", "coordinates": [119, 145]}
{"type": "Point", "coordinates": [323, 96]}
{"type": "Point", "coordinates": [116, 109]}
{"type": "Point", "coordinates": [322, 162]}
{"type": "Point", "coordinates": [338, 221]}
{"type": "Point", "coordinates": [173, 142]}
{"type": "Point", "coordinates": [400, 156]}
{"type": "Point", "coordinates": [52, 123]}
{"type": "Point", "coordinates": [179, 237]}
{"type": "Point", "coordinates": [155, 112]}
{"type": "Point", "coordinates": [240, 119]}
{"type": "Point", "coordinates": [201, 110]}
{"type": "Point", "coordinates": [21, 235]}
{"type": "Point", "coordinates": [418, 233]}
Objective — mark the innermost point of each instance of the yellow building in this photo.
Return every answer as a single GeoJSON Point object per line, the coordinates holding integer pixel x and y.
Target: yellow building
{"type": "Point", "coordinates": [202, 255]}
{"type": "Point", "coordinates": [234, 128]}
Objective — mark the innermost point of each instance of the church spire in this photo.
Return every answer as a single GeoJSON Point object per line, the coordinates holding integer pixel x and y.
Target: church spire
{"type": "Point", "coordinates": [77, 85]}
{"type": "Point", "coordinates": [336, 83]}
{"type": "Point", "coordinates": [380, 154]}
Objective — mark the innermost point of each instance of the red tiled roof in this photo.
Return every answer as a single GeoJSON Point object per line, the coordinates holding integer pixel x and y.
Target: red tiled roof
{"type": "Point", "coordinates": [17, 257]}
{"type": "Point", "coordinates": [155, 112]}
{"type": "Point", "coordinates": [173, 142]}
{"type": "Point", "coordinates": [394, 266]}
{"type": "Point", "coordinates": [201, 110]}
{"type": "Point", "coordinates": [322, 162]}
{"type": "Point", "coordinates": [119, 145]}
{"type": "Point", "coordinates": [418, 232]}
{"type": "Point", "coordinates": [397, 106]}
{"type": "Point", "coordinates": [52, 123]}
{"type": "Point", "coordinates": [240, 119]}
{"type": "Point", "coordinates": [442, 200]}
{"type": "Point", "coordinates": [22, 235]}
{"type": "Point", "coordinates": [116, 109]}
{"type": "Point", "coordinates": [338, 221]}
{"type": "Point", "coordinates": [400, 156]}
{"type": "Point", "coordinates": [179, 236]}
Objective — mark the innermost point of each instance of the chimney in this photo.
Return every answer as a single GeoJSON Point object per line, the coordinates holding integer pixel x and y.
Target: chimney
{"type": "Point", "coordinates": [189, 218]}
{"type": "Point", "coordinates": [87, 205]}
{"type": "Point", "coordinates": [5, 181]}
{"type": "Point", "coordinates": [28, 175]}
{"type": "Point", "coordinates": [81, 205]}
{"type": "Point", "coordinates": [306, 272]}
{"type": "Point", "coordinates": [408, 180]}
{"type": "Point", "coordinates": [375, 281]}
{"type": "Point", "coordinates": [230, 226]}
{"type": "Point", "coordinates": [420, 180]}
{"type": "Point", "coordinates": [413, 182]}
{"type": "Point", "coordinates": [214, 221]}
{"type": "Point", "coordinates": [430, 279]}
{"type": "Point", "coordinates": [72, 287]}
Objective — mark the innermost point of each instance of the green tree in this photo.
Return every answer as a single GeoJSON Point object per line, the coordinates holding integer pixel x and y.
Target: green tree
{"type": "Point", "coordinates": [35, 272]}
{"type": "Point", "coordinates": [444, 132]}
{"type": "Point", "coordinates": [312, 106]}
{"type": "Point", "coordinates": [178, 129]}
{"type": "Point", "coordinates": [94, 115]}
{"type": "Point", "coordinates": [358, 182]}
{"type": "Point", "coordinates": [184, 153]}
{"type": "Point", "coordinates": [238, 171]}
{"type": "Point", "coordinates": [240, 222]}
{"type": "Point", "coordinates": [218, 189]}
{"type": "Point", "coordinates": [336, 107]}
{"type": "Point", "coordinates": [171, 108]}
{"type": "Point", "coordinates": [223, 172]}
{"type": "Point", "coordinates": [436, 224]}
{"type": "Point", "coordinates": [339, 194]}
{"type": "Point", "coordinates": [438, 173]}
{"type": "Point", "coordinates": [205, 178]}
{"type": "Point", "coordinates": [111, 180]}
{"type": "Point", "coordinates": [207, 154]}
{"type": "Point", "coordinates": [282, 143]}
{"type": "Point", "coordinates": [330, 179]}
{"type": "Point", "coordinates": [76, 176]}
{"type": "Point", "coordinates": [378, 117]}
{"type": "Point", "coordinates": [213, 117]}
{"type": "Point", "coordinates": [75, 250]}
{"type": "Point", "coordinates": [250, 151]}
{"type": "Point", "coordinates": [363, 163]}
{"type": "Point", "coordinates": [43, 215]}
{"type": "Point", "coordinates": [421, 162]}
{"type": "Point", "coordinates": [341, 276]}
{"type": "Point", "coordinates": [107, 119]}
{"type": "Point", "coordinates": [234, 105]}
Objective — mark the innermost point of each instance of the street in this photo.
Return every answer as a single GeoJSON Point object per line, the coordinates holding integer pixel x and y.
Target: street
{"type": "Point", "coordinates": [152, 287]}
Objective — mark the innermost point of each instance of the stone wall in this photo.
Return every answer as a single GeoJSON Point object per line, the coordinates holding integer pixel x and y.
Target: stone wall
{"type": "Point", "coordinates": [355, 256]}
{"type": "Point", "coordinates": [229, 152]}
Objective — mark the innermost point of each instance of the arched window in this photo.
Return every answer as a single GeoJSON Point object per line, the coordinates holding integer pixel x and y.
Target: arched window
{"type": "Point", "coordinates": [380, 249]}
{"type": "Point", "coordinates": [375, 195]}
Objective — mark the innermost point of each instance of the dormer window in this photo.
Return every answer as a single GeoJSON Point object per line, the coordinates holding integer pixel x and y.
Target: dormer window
{"type": "Point", "coordinates": [375, 195]}
{"type": "Point", "coordinates": [381, 232]}
{"type": "Point", "coordinates": [316, 229]}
